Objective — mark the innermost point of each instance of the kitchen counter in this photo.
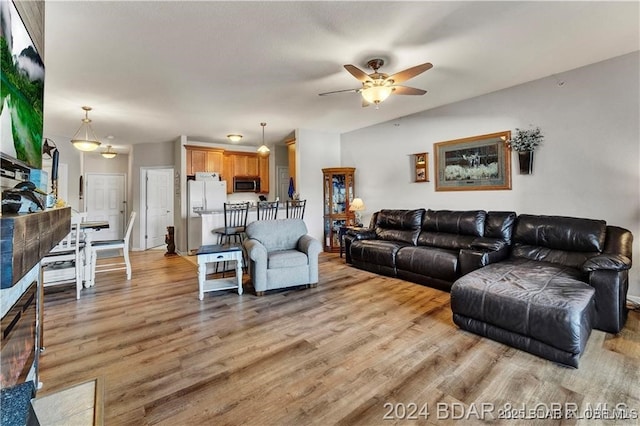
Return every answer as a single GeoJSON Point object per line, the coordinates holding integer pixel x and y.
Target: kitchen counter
{"type": "Point", "coordinates": [16, 404]}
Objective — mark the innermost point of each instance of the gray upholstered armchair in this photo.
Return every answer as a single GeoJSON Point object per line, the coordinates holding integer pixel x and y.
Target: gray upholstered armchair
{"type": "Point", "coordinates": [281, 254]}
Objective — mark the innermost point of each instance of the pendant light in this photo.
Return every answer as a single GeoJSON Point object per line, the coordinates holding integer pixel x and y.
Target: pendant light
{"type": "Point", "coordinates": [109, 153]}
{"type": "Point", "coordinates": [264, 149]}
{"type": "Point", "coordinates": [85, 139]}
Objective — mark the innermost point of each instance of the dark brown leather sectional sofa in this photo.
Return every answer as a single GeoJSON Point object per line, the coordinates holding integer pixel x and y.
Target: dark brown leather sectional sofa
{"type": "Point", "coordinates": [538, 283]}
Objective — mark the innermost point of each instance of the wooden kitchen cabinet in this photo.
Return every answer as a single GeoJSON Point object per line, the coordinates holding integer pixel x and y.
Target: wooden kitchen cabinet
{"type": "Point", "coordinates": [202, 159]}
{"type": "Point", "coordinates": [196, 161]}
{"type": "Point", "coordinates": [228, 172]}
{"type": "Point", "coordinates": [263, 172]}
{"type": "Point", "coordinates": [245, 164]}
{"type": "Point", "coordinates": [239, 163]}
{"type": "Point", "coordinates": [214, 161]}
{"type": "Point", "coordinates": [228, 164]}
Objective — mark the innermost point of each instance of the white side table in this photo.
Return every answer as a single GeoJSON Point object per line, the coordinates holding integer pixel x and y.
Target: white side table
{"type": "Point", "coordinates": [218, 253]}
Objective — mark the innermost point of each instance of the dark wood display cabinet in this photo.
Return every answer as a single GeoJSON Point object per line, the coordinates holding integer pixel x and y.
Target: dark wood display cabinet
{"type": "Point", "coordinates": [339, 185]}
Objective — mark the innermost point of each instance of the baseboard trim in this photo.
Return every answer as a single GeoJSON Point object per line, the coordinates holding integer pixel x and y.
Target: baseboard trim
{"type": "Point", "coordinates": [633, 302]}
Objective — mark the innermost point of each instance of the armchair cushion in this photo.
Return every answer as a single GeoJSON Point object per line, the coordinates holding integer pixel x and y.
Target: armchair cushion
{"type": "Point", "coordinates": [287, 259]}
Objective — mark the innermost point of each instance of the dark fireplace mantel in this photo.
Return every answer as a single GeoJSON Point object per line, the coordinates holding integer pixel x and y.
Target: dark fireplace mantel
{"type": "Point", "coordinates": [26, 238]}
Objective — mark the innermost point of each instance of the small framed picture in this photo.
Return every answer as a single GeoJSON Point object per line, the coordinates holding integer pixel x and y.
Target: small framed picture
{"type": "Point", "coordinates": [421, 167]}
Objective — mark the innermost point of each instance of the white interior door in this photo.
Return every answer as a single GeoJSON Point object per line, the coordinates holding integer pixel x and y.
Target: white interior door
{"type": "Point", "coordinates": [159, 191]}
{"type": "Point", "coordinates": [105, 200]}
{"type": "Point", "coordinates": [283, 182]}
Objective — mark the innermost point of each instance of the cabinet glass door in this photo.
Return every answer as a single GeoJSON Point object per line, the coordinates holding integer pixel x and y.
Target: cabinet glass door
{"type": "Point", "coordinates": [338, 193]}
{"type": "Point", "coordinates": [338, 204]}
{"type": "Point", "coordinates": [327, 194]}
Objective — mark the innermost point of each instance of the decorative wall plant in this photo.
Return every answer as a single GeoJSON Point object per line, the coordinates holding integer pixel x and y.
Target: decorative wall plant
{"type": "Point", "coordinates": [525, 143]}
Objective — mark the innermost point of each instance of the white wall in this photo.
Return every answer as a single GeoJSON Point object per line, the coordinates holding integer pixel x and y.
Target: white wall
{"type": "Point", "coordinates": [73, 159]}
{"type": "Point", "coordinates": [588, 165]}
{"type": "Point", "coordinates": [315, 151]}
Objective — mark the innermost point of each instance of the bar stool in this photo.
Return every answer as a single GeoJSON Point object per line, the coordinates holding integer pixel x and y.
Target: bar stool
{"type": "Point", "coordinates": [267, 210]}
{"type": "Point", "coordinates": [295, 209]}
{"type": "Point", "coordinates": [235, 223]}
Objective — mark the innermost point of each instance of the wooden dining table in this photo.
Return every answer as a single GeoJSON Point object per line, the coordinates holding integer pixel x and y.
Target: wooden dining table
{"type": "Point", "coordinates": [89, 228]}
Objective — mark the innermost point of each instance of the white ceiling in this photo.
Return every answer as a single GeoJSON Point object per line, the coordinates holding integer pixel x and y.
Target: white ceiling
{"type": "Point", "coordinates": [155, 70]}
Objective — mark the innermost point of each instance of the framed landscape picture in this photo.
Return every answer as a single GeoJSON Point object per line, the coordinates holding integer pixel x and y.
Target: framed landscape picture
{"type": "Point", "coordinates": [474, 163]}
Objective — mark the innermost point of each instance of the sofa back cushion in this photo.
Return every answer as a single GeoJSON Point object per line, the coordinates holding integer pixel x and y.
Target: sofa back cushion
{"type": "Point", "coordinates": [455, 222]}
{"type": "Point", "coordinates": [564, 240]}
{"type": "Point", "coordinates": [499, 225]}
{"type": "Point", "coordinates": [399, 225]}
{"type": "Point", "coordinates": [451, 230]}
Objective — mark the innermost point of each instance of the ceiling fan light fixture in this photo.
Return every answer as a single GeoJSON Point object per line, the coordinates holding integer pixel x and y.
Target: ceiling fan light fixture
{"type": "Point", "coordinates": [85, 139]}
{"type": "Point", "coordinates": [376, 94]}
{"type": "Point", "coordinates": [109, 153]}
{"type": "Point", "coordinates": [263, 149]}
{"type": "Point", "coordinates": [234, 137]}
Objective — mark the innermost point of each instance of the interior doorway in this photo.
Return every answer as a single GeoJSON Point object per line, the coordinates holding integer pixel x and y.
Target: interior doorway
{"type": "Point", "coordinates": [157, 204]}
{"type": "Point", "coordinates": [282, 176]}
{"type": "Point", "coordinates": [105, 199]}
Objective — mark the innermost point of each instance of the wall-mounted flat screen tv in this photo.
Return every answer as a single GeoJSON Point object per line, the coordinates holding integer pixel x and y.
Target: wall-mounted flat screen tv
{"type": "Point", "coordinates": [22, 90]}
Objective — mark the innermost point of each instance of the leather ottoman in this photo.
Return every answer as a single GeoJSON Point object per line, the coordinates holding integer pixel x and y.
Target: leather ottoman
{"type": "Point", "coordinates": [540, 307]}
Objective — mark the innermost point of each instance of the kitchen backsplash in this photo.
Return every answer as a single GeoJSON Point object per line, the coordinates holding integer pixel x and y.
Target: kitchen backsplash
{"type": "Point", "coordinates": [241, 197]}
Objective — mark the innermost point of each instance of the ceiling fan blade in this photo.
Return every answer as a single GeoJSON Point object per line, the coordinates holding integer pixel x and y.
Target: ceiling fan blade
{"type": "Point", "coordinates": [339, 91]}
{"type": "Point", "coordinates": [404, 90]}
{"type": "Point", "coordinates": [405, 75]}
{"type": "Point", "coordinates": [358, 73]}
{"type": "Point", "coordinates": [365, 103]}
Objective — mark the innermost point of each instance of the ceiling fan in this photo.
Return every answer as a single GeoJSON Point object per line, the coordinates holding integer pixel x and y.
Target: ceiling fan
{"type": "Point", "coordinates": [376, 87]}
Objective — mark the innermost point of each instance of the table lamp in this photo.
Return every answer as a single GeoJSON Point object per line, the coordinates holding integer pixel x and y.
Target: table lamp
{"type": "Point", "coordinates": [357, 205]}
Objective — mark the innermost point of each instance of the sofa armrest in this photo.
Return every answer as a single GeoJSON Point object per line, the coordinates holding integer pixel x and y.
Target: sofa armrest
{"type": "Point", "coordinates": [488, 244]}
{"type": "Point", "coordinates": [356, 235]}
{"type": "Point", "coordinates": [257, 254]}
{"type": "Point", "coordinates": [610, 298]}
{"type": "Point", "coordinates": [472, 258]}
{"type": "Point", "coordinates": [362, 234]}
{"type": "Point", "coordinates": [607, 262]}
{"type": "Point", "coordinates": [312, 247]}
{"type": "Point", "coordinates": [609, 275]}
{"type": "Point", "coordinates": [309, 246]}
{"type": "Point", "coordinates": [255, 250]}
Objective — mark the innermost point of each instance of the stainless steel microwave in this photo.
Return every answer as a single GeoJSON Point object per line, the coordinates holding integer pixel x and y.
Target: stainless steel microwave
{"type": "Point", "coordinates": [246, 184]}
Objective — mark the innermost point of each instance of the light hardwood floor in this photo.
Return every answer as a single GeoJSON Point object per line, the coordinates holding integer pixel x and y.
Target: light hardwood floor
{"type": "Point", "coordinates": [356, 348]}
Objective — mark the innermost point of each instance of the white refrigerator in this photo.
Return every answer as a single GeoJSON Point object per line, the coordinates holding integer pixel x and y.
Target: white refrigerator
{"type": "Point", "coordinates": [202, 196]}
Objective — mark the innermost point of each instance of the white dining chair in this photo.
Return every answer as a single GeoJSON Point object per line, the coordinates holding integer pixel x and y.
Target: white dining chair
{"type": "Point", "coordinates": [104, 245]}
{"type": "Point", "coordinates": [65, 262]}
